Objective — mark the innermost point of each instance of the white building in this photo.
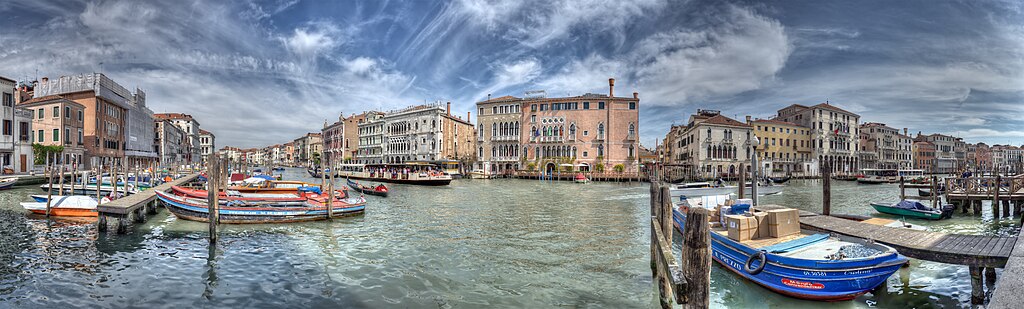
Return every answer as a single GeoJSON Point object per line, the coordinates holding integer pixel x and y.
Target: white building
{"type": "Point", "coordinates": [15, 140]}
{"type": "Point", "coordinates": [835, 137]}
{"type": "Point", "coordinates": [371, 139]}
{"type": "Point", "coordinates": [712, 145]}
{"type": "Point", "coordinates": [170, 143]}
{"type": "Point", "coordinates": [207, 144]}
{"type": "Point", "coordinates": [139, 136]}
{"type": "Point", "coordinates": [498, 133]}
{"type": "Point", "coordinates": [191, 128]}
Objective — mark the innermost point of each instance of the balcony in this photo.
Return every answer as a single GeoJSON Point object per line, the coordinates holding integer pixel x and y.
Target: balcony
{"type": "Point", "coordinates": [631, 137]}
{"type": "Point", "coordinates": [548, 139]}
{"type": "Point", "coordinates": [599, 137]}
{"type": "Point", "coordinates": [505, 138]}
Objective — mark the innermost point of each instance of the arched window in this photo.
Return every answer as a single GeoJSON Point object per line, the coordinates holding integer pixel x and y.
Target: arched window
{"type": "Point", "coordinates": [537, 151]}
{"type": "Point", "coordinates": [600, 129]}
{"type": "Point", "coordinates": [481, 152]}
{"type": "Point", "coordinates": [572, 129]}
{"type": "Point", "coordinates": [632, 129]}
{"type": "Point", "coordinates": [494, 130]}
{"type": "Point", "coordinates": [573, 151]}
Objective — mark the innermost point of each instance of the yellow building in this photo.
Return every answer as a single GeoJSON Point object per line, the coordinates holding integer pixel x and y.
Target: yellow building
{"type": "Point", "coordinates": [785, 147]}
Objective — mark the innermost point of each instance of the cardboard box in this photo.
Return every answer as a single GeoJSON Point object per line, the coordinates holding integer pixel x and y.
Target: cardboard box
{"type": "Point", "coordinates": [783, 222]}
{"type": "Point", "coordinates": [762, 225]}
{"type": "Point", "coordinates": [741, 228]}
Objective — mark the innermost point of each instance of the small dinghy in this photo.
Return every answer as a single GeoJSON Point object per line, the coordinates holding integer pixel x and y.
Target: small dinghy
{"type": "Point", "coordinates": [8, 183]}
{"type": "Point", "coordinates": [580, 178]}
{"type": "Point", "coordinates": [379, 190]}
{"type": "Point", "coordinates": [241, 212]}
{"type": "Point", "coordinates": [914, 209]}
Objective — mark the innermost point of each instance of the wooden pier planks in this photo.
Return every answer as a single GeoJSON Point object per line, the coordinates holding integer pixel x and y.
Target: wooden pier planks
{"type": "Point", "coordinates": [132, 202]}
{"type": "Point", "coordinates": [971, 250]}
{"type": "Point", "coordinates": [1007, 291]}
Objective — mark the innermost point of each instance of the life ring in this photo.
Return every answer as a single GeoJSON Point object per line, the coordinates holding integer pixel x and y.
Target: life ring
{"type": "Point", "coordinates": [753, 257]}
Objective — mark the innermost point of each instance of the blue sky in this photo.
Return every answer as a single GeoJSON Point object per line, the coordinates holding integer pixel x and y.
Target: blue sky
{"type": "Point", "coordinates": [263, 72]}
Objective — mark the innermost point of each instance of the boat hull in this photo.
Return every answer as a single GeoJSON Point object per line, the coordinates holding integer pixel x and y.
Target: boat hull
{"type": "Point", "coordinates": [761, 190]}
{"type": "Point", "coordinates": [886, 209]}
{"type": "Point", "coordinates": [421, 182]}
{"type": "Point", "coordinates": [355, 186]}
{"type": "Point", "coordinates": [253, 215]}
{"type": "Point", "coordinates": [819, 280]}
{"type": "Point", "coordinates": [67, 212]}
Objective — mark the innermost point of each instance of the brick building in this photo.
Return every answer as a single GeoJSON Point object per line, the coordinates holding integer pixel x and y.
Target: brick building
{"type": "Point", "coordinates": [924, 155]}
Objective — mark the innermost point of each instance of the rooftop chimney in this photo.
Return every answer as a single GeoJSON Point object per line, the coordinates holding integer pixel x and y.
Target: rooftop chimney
{"type": "Point", "coordinates": [448, 109]}
{"type": "Point", "coordinates": [467, 116]}
{"type": "Point", "coordinates": [488, 97]}
{"type": "Point", "coordinates": [905, 131]}
{"type": "Point", "coordinates": [45, 79]}
{"type": "Point", "coordinates": [611, 87]}
{"type": "Point", "coordinates": [636, 95]}
{"type": "Point", "coordinates": [748, 117]}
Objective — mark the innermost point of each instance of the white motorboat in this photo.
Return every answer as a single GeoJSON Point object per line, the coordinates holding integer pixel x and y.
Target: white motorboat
{"type": "Point", "coordinates": [707, 188]}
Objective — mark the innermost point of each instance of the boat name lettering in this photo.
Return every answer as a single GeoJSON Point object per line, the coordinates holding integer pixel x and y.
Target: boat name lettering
{"type": "Point", "coordinates": [815, 273]}
{"type": "Point", "coordinates": [803, 284]}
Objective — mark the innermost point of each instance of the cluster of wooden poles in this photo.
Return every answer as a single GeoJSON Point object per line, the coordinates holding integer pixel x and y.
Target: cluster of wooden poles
{"type": "Point", "coordinates": [56, 164]}
{"type": "Point", "coordinates": [686, 281]}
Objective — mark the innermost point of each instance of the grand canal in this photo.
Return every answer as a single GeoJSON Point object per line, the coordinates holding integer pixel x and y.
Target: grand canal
{"type": "Point", "coordinates": [476, 243]}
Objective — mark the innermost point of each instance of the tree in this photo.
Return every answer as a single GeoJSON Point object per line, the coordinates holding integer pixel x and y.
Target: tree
{"type": "Point", "coordinates": [41, 152]}
{"type": "Point", "coordinates": [599, 167]}
{"type": "Point", "coordinates": [316, 158]}
{"type": "Point", "coordinates": [619, 168]}
{"type": "Point", "coordinates": [531, 166]}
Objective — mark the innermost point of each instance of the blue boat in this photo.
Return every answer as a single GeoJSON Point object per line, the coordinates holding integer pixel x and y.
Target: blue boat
{"type": "Point", "coordinates": [806, 266]}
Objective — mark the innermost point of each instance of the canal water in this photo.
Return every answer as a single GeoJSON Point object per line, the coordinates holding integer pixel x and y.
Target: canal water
{"type": "Point", "coordinates": [475, 243]}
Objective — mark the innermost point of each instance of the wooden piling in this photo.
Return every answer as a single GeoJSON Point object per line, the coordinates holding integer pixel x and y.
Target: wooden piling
{"type": "Point", "coordinates": [49, 188]}
{"type": "Point", "coordinates": [330, 192]}
{"type": "Point", "coordinates": [213, 191]}
{"type": "Point", "coordinates": [99, 178]}
{"type": "Point", "coordinates": [977, 290]}
{"type": "Point", "coordinates": [61, 175]}
{"type": "Point", "coordinates": [977, 207]}
{"type": "Point", "coordinates": [935, 192]}
{"type": "Point", "coordinates": [743, 182]}
{"type": "Point", "coordinates": [903, 189]}
{"type": "Point", "coordinates": [696, 258]}
{"type": "Point", "coordinates": [1006, 208]}
{"type": "Point", "coordinates": [990, 278]}
{"type": "Point", "coordinates": [666, 212]}
{"type": "Point", "coordinates": [826, 189]}
{"type": "Point", "coordinates": [995, 198]}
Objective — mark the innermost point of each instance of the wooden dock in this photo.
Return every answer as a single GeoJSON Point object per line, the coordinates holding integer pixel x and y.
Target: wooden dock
{"type": "Point", "coordinates": [135, 206]}
{"type": "Point", "coordinates": [968, 194]}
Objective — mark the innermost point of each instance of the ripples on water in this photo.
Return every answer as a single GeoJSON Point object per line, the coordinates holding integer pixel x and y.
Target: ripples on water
{"type": "Point", "coordinates": [476, 243]}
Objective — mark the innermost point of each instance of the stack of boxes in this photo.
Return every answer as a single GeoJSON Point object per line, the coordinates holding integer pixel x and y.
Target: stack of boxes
{"type": "Point", "coordinates": [760, 224]}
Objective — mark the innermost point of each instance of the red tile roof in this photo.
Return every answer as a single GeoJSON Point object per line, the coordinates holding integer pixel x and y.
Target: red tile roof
{"type": "Point", "coordinates": [201, 131]}
{"type": "Point", "coordinates": [172, 116]}
{"type": "Point", "coordinates": [723, 120]}
{"type": "Point", "coordinates": [832, 107]}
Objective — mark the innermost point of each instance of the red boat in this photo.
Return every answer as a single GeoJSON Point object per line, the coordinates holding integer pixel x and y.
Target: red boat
{"type": "Point", "coordinates": [298, 196]}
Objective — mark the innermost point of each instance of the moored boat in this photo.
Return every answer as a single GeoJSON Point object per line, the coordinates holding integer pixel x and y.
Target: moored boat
{"type": "Point", "coordinates": [928, 192]}
{"type": "Point", "coordinates": [272, 186]}
{"type": "Point", "coordinates": [806, 265]}
{"type": "Point", "coordinates": [780, 180]}
{"type": "Point", "coordinates": [8, 183]}
{"type": "Point", "coordinates": [580, 178]}
{"type": "Point", "coordinates": [378, 190]}
{"type": "Point", "coordinates": [412, 173]}
{"type": "Point", "coordinates": [64, 206]}
{"type": "Point", "coordinates": [914, 209]}
{"type": "Point", "coordinates": [707, 188]}
{"type": "Point", "coordinates": [314, 208]}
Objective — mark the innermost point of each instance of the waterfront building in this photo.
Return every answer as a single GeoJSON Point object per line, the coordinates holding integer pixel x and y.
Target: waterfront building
{"type": "Point", "coordinates": [207, 144]}
{"type": "Point", "coordinates": [139, 147]}
{"type": "Point", "coordinates": [884, 147]}
{"type": "Point", "coordinates": [714, 145]}
{"type": "Point", "coordinates": [979, 157]}
{"type": "Point", "coordinates": [1008, 159]}
{"type": "Point", "coordinates": [498, 134]}
{"type": "Point", "coordinates": [233, 154]}
{"type": "Point", "coordinates": [15, 140]}
{"type": "Point", "coordinates": [107, 105]}
{"type": "Point", "coordinates": [371, 139]}
{"type": "Point", "coordinates": [834, 134]}
{"type": "Point", "coordinates": [56, 121]}
{"type": "Point", "coordinates": [171, 143]}
{"type": "Point", "coordinates": [351, 135]}
{"type": "Point", "coordinates": [924, 155]}
{"type": "Point", "coordinates": [946, 161]}
{"type": "Point", "coordinates": [288, 157]}
{"type": "Point", "coordinates": [672, 153]}
{"type": "Point", "coordinates": [191, 128]}
{"type": "Point", "coordinates": [334, 141]}
{"type": "Point", "coordinates": [785, 147]}
{"type": "Point", "coordinates": [426, 132]}
{"type": "Point", "coordinates": [307, 149]}
{"type": "Point", "coordinates": [591, 132]}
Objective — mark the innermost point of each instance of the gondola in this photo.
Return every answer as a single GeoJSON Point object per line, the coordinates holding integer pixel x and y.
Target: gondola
{"type": "Point", "coordinates": [780, 180]}
{"type": "Point", "coordinates": [379, 190]}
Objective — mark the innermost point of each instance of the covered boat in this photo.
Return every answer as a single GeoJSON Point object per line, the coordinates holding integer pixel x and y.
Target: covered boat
{"type": "Point", "coordinates": [707, 188]}
{"type": "Point", "coordinates": [239, 212]}
{"type": "Point", "coordinates": [914, 209]}
{"type": "Point", "coordinates": [580, 178]}
{"type": "Point", "coordinates": [806, 266]}
{"type": "Point", "coordinates": [271, 186]}
{"type": "Point", "coordinates": [378, 190]}
{"type": "Point", "coordinates": [65, 206]}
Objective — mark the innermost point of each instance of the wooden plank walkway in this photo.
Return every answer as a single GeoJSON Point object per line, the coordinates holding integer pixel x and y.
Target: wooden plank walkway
{"type": "Point", "coordinates": [128, 204]}
{"type": "Point", "coordinates": [970, 250]}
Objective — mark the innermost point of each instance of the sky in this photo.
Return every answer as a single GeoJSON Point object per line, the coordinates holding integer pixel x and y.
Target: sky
{"type": "Point", "coordinates": [257, 73]}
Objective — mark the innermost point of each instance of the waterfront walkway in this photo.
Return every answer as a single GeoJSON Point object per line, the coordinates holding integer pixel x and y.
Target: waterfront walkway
{"type": "Point", "coordinates": [1007, 291]}
{"type": "Point", "coordinates": [135, 206]}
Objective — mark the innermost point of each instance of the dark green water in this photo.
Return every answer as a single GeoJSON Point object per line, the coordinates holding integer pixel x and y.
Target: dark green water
{"type": "Point", "coordinates": [476, 243]}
